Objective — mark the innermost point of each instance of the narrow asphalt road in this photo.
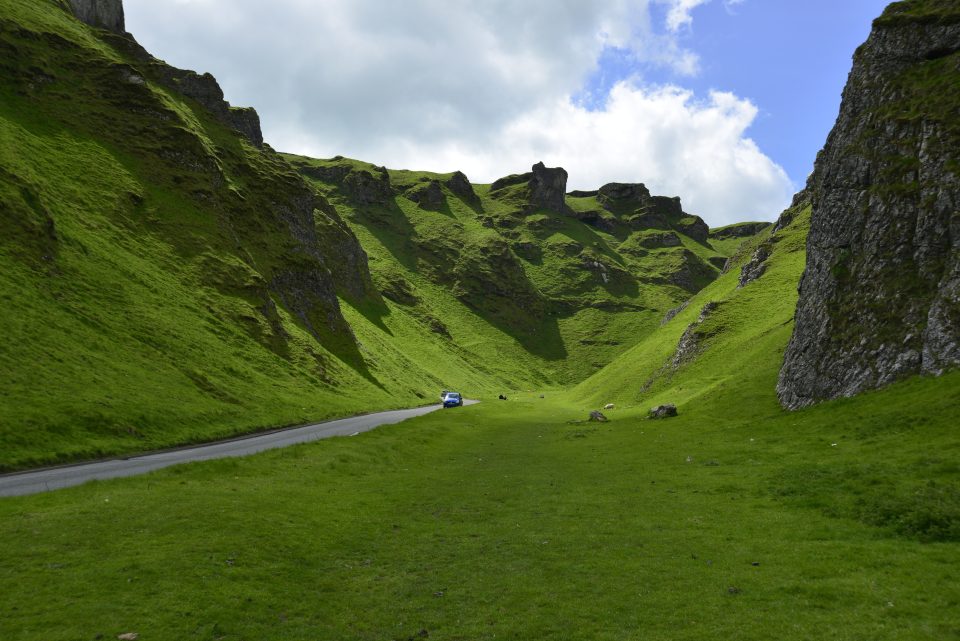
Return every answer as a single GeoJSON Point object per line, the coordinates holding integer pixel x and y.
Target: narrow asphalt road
{"type": "Point", "coordinates": [53, 478]}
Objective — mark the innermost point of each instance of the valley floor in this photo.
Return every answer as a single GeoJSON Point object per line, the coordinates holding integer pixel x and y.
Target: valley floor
{"type": "Point", "coordinates": [520, 520]}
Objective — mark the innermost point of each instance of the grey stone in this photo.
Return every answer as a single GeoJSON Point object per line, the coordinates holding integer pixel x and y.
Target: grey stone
{"type": "Point", "coordinates": [459, 185]}
{"type": "Point", "coordinates": [880, 295]}
{"type": "Point", "coordinates": [548, 187]}
{"type": "Point", "coordinates": [663, 411]}
{"type": "Point", "coordinates": [545, 187]}
{"type": "Point", "coordinates": [203, 88]}
{"type": "Point", "coordinates": [740, 230]}
{"type": "Point", "coordinates": [368, 188]}
{"type": "Point", "coordinates": [691, 341]}
{"type": "Point", "coordinates": [669, 316]}
{"type": "Point", "coordinates": [663, 239]}
{"type": "Point", "coordinates": [428, 195]}
{"type": "Point", "coordinates": [756, 266]}
{"type": "Point", "coordinates": [102, 14]}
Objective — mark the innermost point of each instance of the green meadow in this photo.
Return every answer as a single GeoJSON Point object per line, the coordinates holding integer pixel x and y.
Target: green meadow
{"type": "Point", "coordinates": [520, 520]}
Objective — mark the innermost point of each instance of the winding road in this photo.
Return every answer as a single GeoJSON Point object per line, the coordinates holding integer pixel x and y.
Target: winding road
{"type": "Point", "coordinates": [54, 478]}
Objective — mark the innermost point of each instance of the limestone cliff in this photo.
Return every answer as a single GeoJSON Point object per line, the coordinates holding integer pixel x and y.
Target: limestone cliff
{"type": "Point", "coordinates": [543, 187]}
{"type": "Point", "coordinates": [203, 88]}
{"type": "Point", "coordinates": [880, 296]}
{"type": "Point", "coordinates": [103, 14]}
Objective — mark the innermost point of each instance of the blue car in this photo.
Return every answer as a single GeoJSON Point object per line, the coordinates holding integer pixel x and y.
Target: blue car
{"type": "Point", "coordinates": [452, 399]}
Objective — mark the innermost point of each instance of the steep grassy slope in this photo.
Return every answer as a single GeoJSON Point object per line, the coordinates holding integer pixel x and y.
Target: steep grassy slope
{"type": "Point", "coordinates": [556, 291]}
{"type": "Point", "coordinates": [167, 278]}
{"type": "Point", "coordinates": [163, 279]}
{"type": "Point", "coordinates": [727, 341]}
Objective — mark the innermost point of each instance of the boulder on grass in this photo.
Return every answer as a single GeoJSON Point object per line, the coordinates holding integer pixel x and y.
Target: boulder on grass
{"type": "Point", "coordinates": [663, 411]}
{"type": "Point", "coordinates": [598, 417]}
{"type": "Point", "coordinates": [608, 406]}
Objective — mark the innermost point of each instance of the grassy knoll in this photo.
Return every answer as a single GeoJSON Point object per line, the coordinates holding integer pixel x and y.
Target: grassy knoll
{"type": "Point", "coordinates": [506, 520]}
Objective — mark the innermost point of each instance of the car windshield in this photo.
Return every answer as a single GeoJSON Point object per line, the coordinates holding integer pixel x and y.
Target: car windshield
{"type": "Point", "coordinates": [453, 396]}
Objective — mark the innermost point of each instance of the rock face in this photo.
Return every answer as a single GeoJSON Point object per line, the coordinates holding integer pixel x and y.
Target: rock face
{"type": "Point", "coordinates": [692, 339]}
{"type": "Point", "coordinates": [612, 193]}
{"type": "Point", "coordinates": [460, 185]}
{"type": "Point", "coordinates": [880, 296]}
{"type": "Point", "coordinates": [740, 230]}
{"type": "Point", "coordinates": [366, 187]}
{"type": "Point", "coordinates": [205, 89]}
{"type": "Point", "coordinates": [103, 14]}
{"type": "Point", "coordinates": [756, 267]}
{"type": "Point", "coordinates": [428, 195]}
{"type": "Point", "coordinates": [546, 187]}
{"type": "Point", "coordinates": [644, 211]}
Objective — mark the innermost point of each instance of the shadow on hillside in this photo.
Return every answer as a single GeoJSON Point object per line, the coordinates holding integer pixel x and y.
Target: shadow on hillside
{"type": "Point", "coordinates": [538, 335]}
{"type": "Point", "coordinates": [392, 229]}
{"type": "Point", "coordinates": [373, 311]}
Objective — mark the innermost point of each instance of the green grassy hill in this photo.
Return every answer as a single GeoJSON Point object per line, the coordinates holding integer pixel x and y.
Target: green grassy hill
{"type": "Point", "coordinates": [562, 292]}
{"type": "Point", "coordinates": [727, 341]}
{"type": "Point", "coordinates": [164, 279]}
{"type": "Point", "coordinates": [167, 278]}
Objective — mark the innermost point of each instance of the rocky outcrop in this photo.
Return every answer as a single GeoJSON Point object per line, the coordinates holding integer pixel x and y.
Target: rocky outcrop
{"type": "Point", "coordinates": [694, 227]}
{"type": "Point", "coordinates": [691, 341]}
{"type": "Point", "coordinates": [548, 187]}
{"type": "Point", "coordinates": [459, 185]}
{"type": "Point", "coordinates": [367, 186]}
{"type": "Point", "coordinates": [205, 89]}
{"type": "Point", "coordinates": [661, 239]}
{"type": "Point", "coordinates": [740, 230]}
{"type": "Point", "coordinates": [545, 187]}
{"type": "Point", "coordinates": [671, 314]}
{"type": "Point", "coordinates": [880, 296]}
{"type": "Point", "coordinates": [102, 14]}
{"type": "Point", "coordinates": [692, 273]}
{"type": "Point", "coordinates": [428, 195]}
{"type": "Point", "coordinates": [641, 211]}
{"type": "Point", "coordinates": [612, 194]}
{"type": "Point", "coordinates": [756, 266]}
{"type": "Point", "coordinates": [597, 219]}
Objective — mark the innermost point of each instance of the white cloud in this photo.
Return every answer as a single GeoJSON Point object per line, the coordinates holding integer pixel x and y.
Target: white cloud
{"type": "Point", "coordinates": [480, 86]}
{"type": "Point", "coordinates": [663, 137]}
{"type": "Point", "coordinates": [679, 13]}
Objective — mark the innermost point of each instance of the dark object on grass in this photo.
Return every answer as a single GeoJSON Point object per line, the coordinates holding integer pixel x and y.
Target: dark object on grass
{"type": "Point", "coordinates": [663, 411]}
{"type": "Point", "coordinates": [733, 589]}
{"type": "Point", "coordinates": [502, 397]}
{"type": "Point", "coordinates": [598, 417]}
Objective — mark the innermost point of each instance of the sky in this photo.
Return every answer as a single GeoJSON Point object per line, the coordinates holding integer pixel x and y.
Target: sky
{"type": "Point", "coordinates": [724, 103]}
